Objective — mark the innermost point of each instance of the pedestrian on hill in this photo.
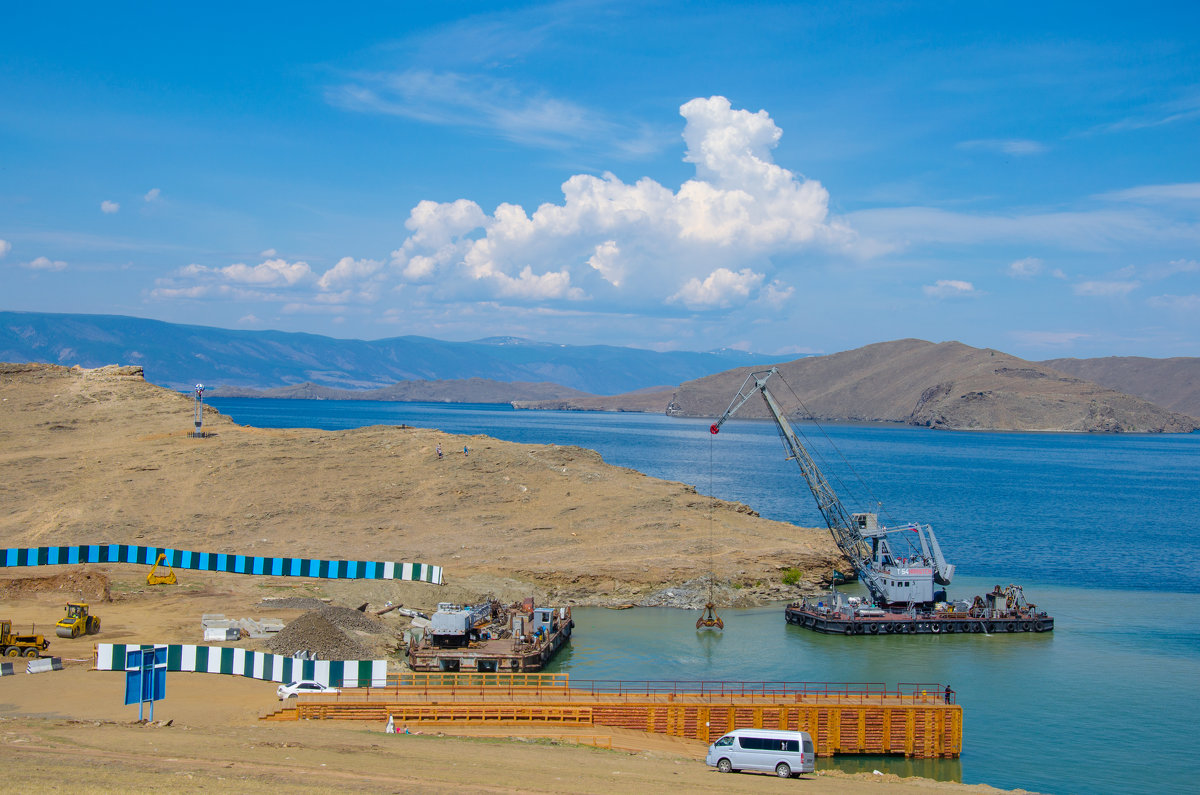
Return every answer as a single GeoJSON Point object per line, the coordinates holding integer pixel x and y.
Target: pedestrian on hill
{"type": "Point", "coordinates": [439, 452]}
{"type": "Point", "coordinates": [464, 450]}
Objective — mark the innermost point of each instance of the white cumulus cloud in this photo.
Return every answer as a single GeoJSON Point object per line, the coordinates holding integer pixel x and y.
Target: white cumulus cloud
{"type": "Point", "coordinates": [348, 271]}
{"type": "Point", "coordinates": [152, 195]}
{"type": "Point", "coordinates": [949, 288]}
{"type": "Point", "coordinates": [271, 273]}
{"type": "Point", "coordinates": [623, 243]}
{"type": "Point", "coordinates": [722, 287]}
{"type": "Point", "coordinates": [109, 207]}
{"type": "Point", "coordinates": [1024, 268]}
{"type": "Point", "coordinates": [45, 264]}
{"type": "Point", "coordinates": [5, 247]}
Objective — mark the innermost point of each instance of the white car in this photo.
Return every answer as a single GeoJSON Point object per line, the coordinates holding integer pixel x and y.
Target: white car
{"type": "Point", "coordinates": [303, 686]}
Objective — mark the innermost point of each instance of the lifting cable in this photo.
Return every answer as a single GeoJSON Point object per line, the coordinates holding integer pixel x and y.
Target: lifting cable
{"type": "Point", "coordinates": [841, 485]}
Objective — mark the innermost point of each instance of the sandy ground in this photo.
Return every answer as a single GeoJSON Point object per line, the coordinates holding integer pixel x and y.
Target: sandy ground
{"type": "Point", "coordinates": [101, 456]}
{"type": "Point", "coordinates": [69, 731]}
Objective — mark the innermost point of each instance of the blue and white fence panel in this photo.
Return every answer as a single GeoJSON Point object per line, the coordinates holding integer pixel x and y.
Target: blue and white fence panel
{"type": "Point", "coordinates": [220, 561]}
{"type": "Point", "coordinates": [252, 664]}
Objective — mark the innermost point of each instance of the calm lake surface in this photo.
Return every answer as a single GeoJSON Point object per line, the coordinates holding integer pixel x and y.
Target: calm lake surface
{"type": "Point", "coordinates": [1102, 531]}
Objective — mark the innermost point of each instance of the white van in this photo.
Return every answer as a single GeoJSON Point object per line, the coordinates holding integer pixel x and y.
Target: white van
{"type": "Point", "coordinates": [786, 753]}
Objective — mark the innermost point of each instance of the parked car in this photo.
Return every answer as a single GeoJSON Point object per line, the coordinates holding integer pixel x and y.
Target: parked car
{"type": "Point", "coordinates": [785, 753]}
{"type": "Point", "coordinates": [303, 686]}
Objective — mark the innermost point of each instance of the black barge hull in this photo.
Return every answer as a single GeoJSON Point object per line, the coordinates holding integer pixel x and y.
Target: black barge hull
{"type": "Point", "coordinates": [832, 623]}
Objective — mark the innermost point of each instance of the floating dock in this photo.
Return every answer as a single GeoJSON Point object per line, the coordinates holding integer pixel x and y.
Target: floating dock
{"type": "Point", "coordinates": [490, 638]}
{"type": "Point", "coordinates": [916, 720]}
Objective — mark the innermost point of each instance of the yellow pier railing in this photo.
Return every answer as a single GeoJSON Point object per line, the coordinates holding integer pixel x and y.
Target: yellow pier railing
{"type": "Point", "coordinates": [914, 720]}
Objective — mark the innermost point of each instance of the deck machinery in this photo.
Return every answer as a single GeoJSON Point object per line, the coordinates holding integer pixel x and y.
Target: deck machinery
{"type": "Point", "coordinates": [902, 568]}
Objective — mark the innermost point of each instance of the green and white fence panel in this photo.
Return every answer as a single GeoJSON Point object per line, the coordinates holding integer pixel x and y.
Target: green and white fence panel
{"type": "Point", "coordinates": [252, 664]}
{"type": "Point", "coordinates": [220, 561]}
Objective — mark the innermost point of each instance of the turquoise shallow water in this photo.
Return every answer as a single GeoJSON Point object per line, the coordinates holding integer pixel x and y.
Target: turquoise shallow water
{"type": "Point", "coordinates": [1102, 531]}
{"type": "Point", "coordinates": [1090, 707]}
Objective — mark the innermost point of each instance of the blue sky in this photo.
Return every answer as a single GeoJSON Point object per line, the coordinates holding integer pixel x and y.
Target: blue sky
{"type": "Point", "coordinates": [781, 178]}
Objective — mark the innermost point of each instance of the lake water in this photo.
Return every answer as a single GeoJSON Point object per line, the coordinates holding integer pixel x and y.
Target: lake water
{"type": "Point", "coordinates": [1102, 531]}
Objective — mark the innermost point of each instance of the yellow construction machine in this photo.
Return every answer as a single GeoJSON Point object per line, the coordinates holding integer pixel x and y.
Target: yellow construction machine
{"type": "Point", "coordinates": [14, 645]}
{"type": "Point", "coordinates": [77, 622]}
{"type": "Point", "coordinates": [160, 579]}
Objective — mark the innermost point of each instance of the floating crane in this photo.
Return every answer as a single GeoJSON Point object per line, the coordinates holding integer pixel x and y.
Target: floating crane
{"type": "Point", "coordinates": [901, 567]}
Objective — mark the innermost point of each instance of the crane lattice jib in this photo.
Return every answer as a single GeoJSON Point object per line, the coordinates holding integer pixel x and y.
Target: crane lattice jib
{"type": "Point", "coordinates": [845, 534]}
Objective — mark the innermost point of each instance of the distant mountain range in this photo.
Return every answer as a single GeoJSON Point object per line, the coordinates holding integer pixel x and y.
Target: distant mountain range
{"type": "Point", "coordinates": [180, 356]}
{"type": "Point", "coordinates": [939, 385]}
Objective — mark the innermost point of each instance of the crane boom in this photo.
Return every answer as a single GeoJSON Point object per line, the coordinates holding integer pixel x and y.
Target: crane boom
{"type": "Point", "coordinates": [889, 578]}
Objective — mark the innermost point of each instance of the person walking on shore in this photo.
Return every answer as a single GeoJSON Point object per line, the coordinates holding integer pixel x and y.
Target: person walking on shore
{"type": "Point", "coordinates": [439, 452]}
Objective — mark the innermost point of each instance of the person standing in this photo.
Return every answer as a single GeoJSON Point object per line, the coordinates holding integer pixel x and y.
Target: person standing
{"type": "Point", "coordinates": [439, 452]}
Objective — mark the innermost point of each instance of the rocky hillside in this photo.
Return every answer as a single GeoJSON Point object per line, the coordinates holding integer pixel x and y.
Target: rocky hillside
{"type": "Point", "coordinates": [92, 456]}
{"type": "Point", "coordinates": [945, 385]}
{"type": "Point", "coordinates": [1171, 383]}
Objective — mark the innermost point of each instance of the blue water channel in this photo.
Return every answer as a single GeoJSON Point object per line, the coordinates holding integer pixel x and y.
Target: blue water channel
{"type": "Point", "coordinates": [1102, 531]}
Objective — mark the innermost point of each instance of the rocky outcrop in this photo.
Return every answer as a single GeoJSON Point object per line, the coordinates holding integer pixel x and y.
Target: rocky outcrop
{"type": "Point", "coordinates": [1171, 383]}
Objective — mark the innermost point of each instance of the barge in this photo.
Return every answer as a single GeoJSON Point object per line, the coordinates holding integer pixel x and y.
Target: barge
{"type": "Point", "coordinates": [996, 612]}
{"type": "Point", "coordinates": [490, 638]}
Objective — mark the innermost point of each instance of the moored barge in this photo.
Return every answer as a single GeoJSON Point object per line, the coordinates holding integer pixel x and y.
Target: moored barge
{"type": "Point", "coordinates": [490, 638]}
{"type": "Point", "coordinates": [995, 612]}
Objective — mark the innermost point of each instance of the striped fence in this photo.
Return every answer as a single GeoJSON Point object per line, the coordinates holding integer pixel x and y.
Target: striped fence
{"type": "Point", "coordinates": [213, 561]}
{"type": "Point", "coordinates": [251, 664]}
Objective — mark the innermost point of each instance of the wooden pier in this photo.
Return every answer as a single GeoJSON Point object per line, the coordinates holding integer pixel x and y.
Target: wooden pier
{"type": "Point", "coordinates": [910, 719]}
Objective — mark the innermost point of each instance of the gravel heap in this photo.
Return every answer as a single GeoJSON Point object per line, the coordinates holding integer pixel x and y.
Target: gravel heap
{"type": "Point", "coordinates": [314, 632]}
{"type": "Point", "coordinates": [346, 618]}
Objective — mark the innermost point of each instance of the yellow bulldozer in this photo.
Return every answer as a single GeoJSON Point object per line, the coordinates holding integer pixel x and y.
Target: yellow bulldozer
{"type": "Point", "coordinates": [14, 645]}
{"type": "Point", "coordinates": [77, 622]}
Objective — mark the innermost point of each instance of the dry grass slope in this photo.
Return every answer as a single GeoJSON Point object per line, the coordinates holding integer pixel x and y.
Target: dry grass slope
{"type": "Point", "coordinates": [100, 455]}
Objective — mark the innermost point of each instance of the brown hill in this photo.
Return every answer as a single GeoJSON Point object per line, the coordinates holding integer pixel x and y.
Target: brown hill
{"type": "Point", "coordinates": [1171, 383]}
{"type": "Point", "coordinates": [91, 456]}
{"type": "Point", "coordinates": [463, 390]}
{"type": "Point", "coordinates": [945, 385]}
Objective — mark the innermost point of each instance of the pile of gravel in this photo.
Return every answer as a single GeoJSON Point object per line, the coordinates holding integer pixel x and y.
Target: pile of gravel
{"type": "Point", "coordinates": [314, 632]}
{"type": "Point", "coordinates": [346, 618]}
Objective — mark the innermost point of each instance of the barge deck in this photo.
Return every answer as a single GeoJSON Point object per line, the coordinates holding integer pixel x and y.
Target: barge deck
{"type": "Point", "coordinates": [491, 638]}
